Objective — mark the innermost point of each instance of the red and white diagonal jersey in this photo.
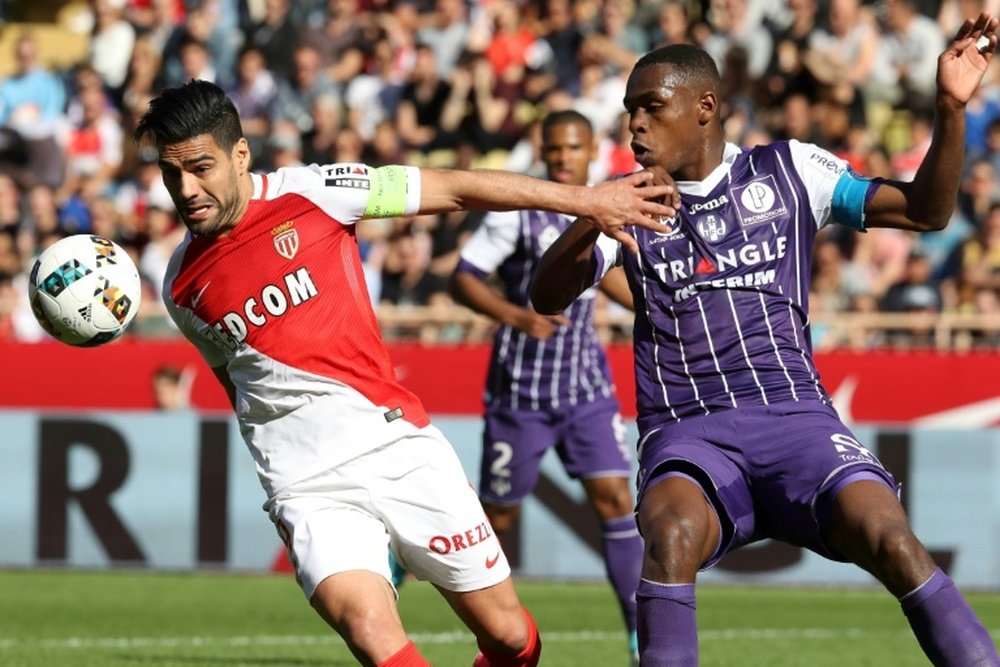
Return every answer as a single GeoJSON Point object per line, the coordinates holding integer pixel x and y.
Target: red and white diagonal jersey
{"type": "Point", "coordinates": [281, 303]}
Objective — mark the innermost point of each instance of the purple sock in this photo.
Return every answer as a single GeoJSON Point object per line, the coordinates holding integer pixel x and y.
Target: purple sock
{"type": "Point", "coordinates": [622, 550]}
{"type": "Point", "coordinates": [668, 635]}
{"type": "Point", "coordinates": [946, 627]}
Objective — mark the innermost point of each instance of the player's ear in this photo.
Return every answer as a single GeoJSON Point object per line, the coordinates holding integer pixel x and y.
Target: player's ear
{"type": "Point", "coordinates": [708, 107]}
{"type": "Point", "coordinates": [241, 155]}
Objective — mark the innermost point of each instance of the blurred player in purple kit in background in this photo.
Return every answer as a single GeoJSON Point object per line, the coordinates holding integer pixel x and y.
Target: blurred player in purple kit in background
{"type": "Point", "coordinates": [549, 384]}
{"type": "Point", "coordinates": [738, 439]}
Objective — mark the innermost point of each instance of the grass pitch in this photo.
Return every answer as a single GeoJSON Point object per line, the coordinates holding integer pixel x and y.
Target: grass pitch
{"type": "Point", "coordinates": [100, 619]}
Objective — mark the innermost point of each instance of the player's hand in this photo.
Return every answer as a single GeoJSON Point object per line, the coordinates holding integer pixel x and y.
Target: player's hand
{"type": "Point", "coordinates": [537, 325]}
{"type": "Point", "coordinates": [638, 199]}
{"type": "Point", "coordinates": [963, 63]}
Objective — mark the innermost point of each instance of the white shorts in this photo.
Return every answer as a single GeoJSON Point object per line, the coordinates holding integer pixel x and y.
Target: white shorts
{"type": "Point", "coordinates": [412, 496]}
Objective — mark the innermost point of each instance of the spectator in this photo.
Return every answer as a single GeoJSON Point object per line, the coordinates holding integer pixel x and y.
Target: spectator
{"type": "Point", "coordinates": [916, 293]}
{"type": "Point", "coordinates": [406, 276]}
{"type": "Point", "coordinates": [842, 54]}
{"type": "Point", "coordinates": [565, 41]}
{"type": "Point", "coordinates": [171, 388]}
{"type": "Point", "coordinates": [979, 263]}
{"type": "Point", "coordinates": [196, 61]}
{"type": "Point", "coordinates": [673, 24]}
{"type": "Point", "coordinates": [340, 41]}
{"type": "Point", "coordinates": [446, 30]}
{"type": "Point", "coordinates": [278, 38]}
{"type": "Point", "coordinates": [111, 41]}
{"type": "Point", "coordinates": [734, 24]}
{"type": "Point", "coordinates": [786, 70]}
{"type": "Point", "coordinates": [978, 191]}
{"type": "Point", "coordinates": [94, 142]}
{"type": "Point", "coordinates": [10, 205]}
{"type": "Point", "coordinates": [430, 111]}
{"type": "Point", "coordinates": [293, 104]}
{"type": "Point", "coordinates": [253, 95]}
{"type": "Point", "coordinates": [372, 97]}
{"type": "Point", "coordinates": [907, 62]}
{"type": "Point", "coordinates": [31, 104]}
{"type": "Point", "coordinates": [616, 43]}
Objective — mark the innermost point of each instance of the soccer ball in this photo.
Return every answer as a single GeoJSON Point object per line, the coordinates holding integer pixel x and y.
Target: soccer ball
{"type": "Point", "coordinates": [84, 290]}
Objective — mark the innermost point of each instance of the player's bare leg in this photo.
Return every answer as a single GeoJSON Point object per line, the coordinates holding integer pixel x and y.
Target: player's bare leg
{"type": "Point", "coordinates": [502, 517]}
{"type": "Point", "coordinates": [868, 526]}
{"type": "Point", "coordinates": [681, 532]}
{"type": "Point", "coordinates": [361, 606]}
{"type": "Point", "coordinates": [621, 545]}
{"type": "Point", "coordinates": [506, 633]}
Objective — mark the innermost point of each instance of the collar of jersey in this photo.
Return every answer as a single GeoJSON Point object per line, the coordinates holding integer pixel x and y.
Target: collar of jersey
{"type": "Point", "coordinates": [704, 187]}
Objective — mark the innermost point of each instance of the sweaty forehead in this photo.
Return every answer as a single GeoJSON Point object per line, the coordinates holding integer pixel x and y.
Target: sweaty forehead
{"type": "Point", "coordinates": [653, 79]}
{"type": "Point", "coordinates": [203, 144]}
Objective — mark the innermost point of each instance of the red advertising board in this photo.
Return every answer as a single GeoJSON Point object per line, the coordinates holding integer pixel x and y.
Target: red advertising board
{"type": "Point", "coordinates": [879, 386]}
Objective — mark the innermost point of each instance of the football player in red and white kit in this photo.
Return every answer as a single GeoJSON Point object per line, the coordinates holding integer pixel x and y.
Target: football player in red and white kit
{"type": "Point", "coordinates": [268, 286]}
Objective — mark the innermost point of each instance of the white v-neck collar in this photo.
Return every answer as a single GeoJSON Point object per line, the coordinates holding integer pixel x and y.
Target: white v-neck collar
{"type": "Point", "coordinates": [705, 186]}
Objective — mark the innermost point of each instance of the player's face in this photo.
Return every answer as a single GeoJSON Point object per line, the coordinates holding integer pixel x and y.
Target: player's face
{"type": "Point", "coordinates": [666, 118]}
{"type": "Point", "coordinates": [205, 183]}
{"type": "Point", "coordinates": [567, 149]}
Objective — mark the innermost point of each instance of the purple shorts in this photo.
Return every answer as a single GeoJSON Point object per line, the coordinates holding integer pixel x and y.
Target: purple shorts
{"type": "Point", "coordinates": [589, 439]}
{"type": "Point", "coordinates": [769, 471]}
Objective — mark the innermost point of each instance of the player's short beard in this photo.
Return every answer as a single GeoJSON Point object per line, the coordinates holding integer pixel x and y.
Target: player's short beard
{"type": "Point", "coordinates": [228, 209]}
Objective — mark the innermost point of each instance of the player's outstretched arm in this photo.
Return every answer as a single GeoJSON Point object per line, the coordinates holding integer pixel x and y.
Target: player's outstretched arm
{"type": "Point", "coordinates": [926, 203]}
{"type": "Point", "coordinates": [615, 285]}
{"type": "Point", "coordinates": [631, 200]}
{"type": "Point", "coordinates": [566, 269]}
{"type": "Point", "coordinates": [473, 292]}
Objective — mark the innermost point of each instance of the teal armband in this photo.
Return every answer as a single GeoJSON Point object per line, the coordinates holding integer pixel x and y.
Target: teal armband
{"type": "Point", "coordinates": [849, 198]}
{"type": "Point", "coordinates": [387, 195]}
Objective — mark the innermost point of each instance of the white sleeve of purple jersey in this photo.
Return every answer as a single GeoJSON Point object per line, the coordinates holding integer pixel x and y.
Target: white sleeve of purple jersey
{"type": "Point", "coordinates": [350, 192]}
{"type": "Point", "coordinates": [836, 192]}
{"type": "Point", "coordinates": [607, 255]}
{"type": "Point", "coordinates": [493, 242]}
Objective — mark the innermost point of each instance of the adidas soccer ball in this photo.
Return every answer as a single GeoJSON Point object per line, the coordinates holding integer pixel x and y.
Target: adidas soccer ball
{"type": "Point", "coordinates": [84, 290]}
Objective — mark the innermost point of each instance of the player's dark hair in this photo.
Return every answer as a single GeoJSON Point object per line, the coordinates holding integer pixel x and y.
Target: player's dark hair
{"type": "Point", "coordinates": [187, 111]}
{"type": "Point", "coordinates": [687, 60]}
{"type": "Point", "coordinates": [565, 117]}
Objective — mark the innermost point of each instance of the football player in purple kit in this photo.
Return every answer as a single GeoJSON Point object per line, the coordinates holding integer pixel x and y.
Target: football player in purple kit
{"type": "Point", "coordinates": [549, 384]}
{"type": "Point", "coordinates": [738, 438]}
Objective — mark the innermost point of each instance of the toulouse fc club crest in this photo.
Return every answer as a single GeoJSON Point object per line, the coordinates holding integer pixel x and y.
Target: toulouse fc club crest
{"type": "Point", "coordinates": [286, 239]}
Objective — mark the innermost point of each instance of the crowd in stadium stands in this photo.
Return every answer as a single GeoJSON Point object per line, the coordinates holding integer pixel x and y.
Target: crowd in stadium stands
{"type": "Point", "coordinates": [452, 83]}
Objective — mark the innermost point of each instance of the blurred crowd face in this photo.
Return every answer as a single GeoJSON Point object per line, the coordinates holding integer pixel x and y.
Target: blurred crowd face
{"type": "Point", "coordinates": [673, 22]}
{"type": "Point", "coordinates": [567, 150]}
{"type": "Point", "coordinates": [843, 16]}
{"type": "Point", "coordinates": [307, 66]}
{"type": "Point", "coordinates": [26, 53]}
{"type": "Point", "coordinates": [204, 183]}
{"type": "Point", "coordinates": [251, 64]}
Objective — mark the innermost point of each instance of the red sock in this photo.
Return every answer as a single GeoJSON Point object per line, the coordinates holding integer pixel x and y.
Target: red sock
{"type": "Point", "coordinates": [408, 656]}
{"type": "Point", "coordinates": [528, 657]}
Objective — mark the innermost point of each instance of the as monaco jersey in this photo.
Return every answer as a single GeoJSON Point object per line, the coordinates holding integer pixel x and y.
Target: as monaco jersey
{"type": "Point", "coordinates": [525, 372]}
{"type": "Point", "coordinates": [281, 303]}
{"type": "Point", "coordinates": [721, 300]}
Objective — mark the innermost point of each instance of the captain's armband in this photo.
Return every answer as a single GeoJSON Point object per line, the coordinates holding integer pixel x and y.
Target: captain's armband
{"type": "Point", "coordinates": [394, 191]}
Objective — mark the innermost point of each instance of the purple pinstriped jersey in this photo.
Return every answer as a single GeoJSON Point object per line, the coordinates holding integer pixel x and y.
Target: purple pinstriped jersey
{"type": "Point", "coordinates": [526, 373]}
{"type": "Point", "coordinates": [722, 300]}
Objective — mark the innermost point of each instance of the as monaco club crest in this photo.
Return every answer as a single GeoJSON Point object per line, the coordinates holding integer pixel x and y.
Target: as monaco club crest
{"type": "Point", "coordinates": [286, 239]}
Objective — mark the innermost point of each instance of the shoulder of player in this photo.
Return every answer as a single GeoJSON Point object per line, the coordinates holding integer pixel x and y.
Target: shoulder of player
{"type": "Point", "coordinates": [287, 180]}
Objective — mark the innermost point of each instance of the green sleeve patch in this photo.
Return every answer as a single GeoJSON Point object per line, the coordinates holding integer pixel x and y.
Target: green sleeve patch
{"type": "Point", "coordinates": [387, 196]}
